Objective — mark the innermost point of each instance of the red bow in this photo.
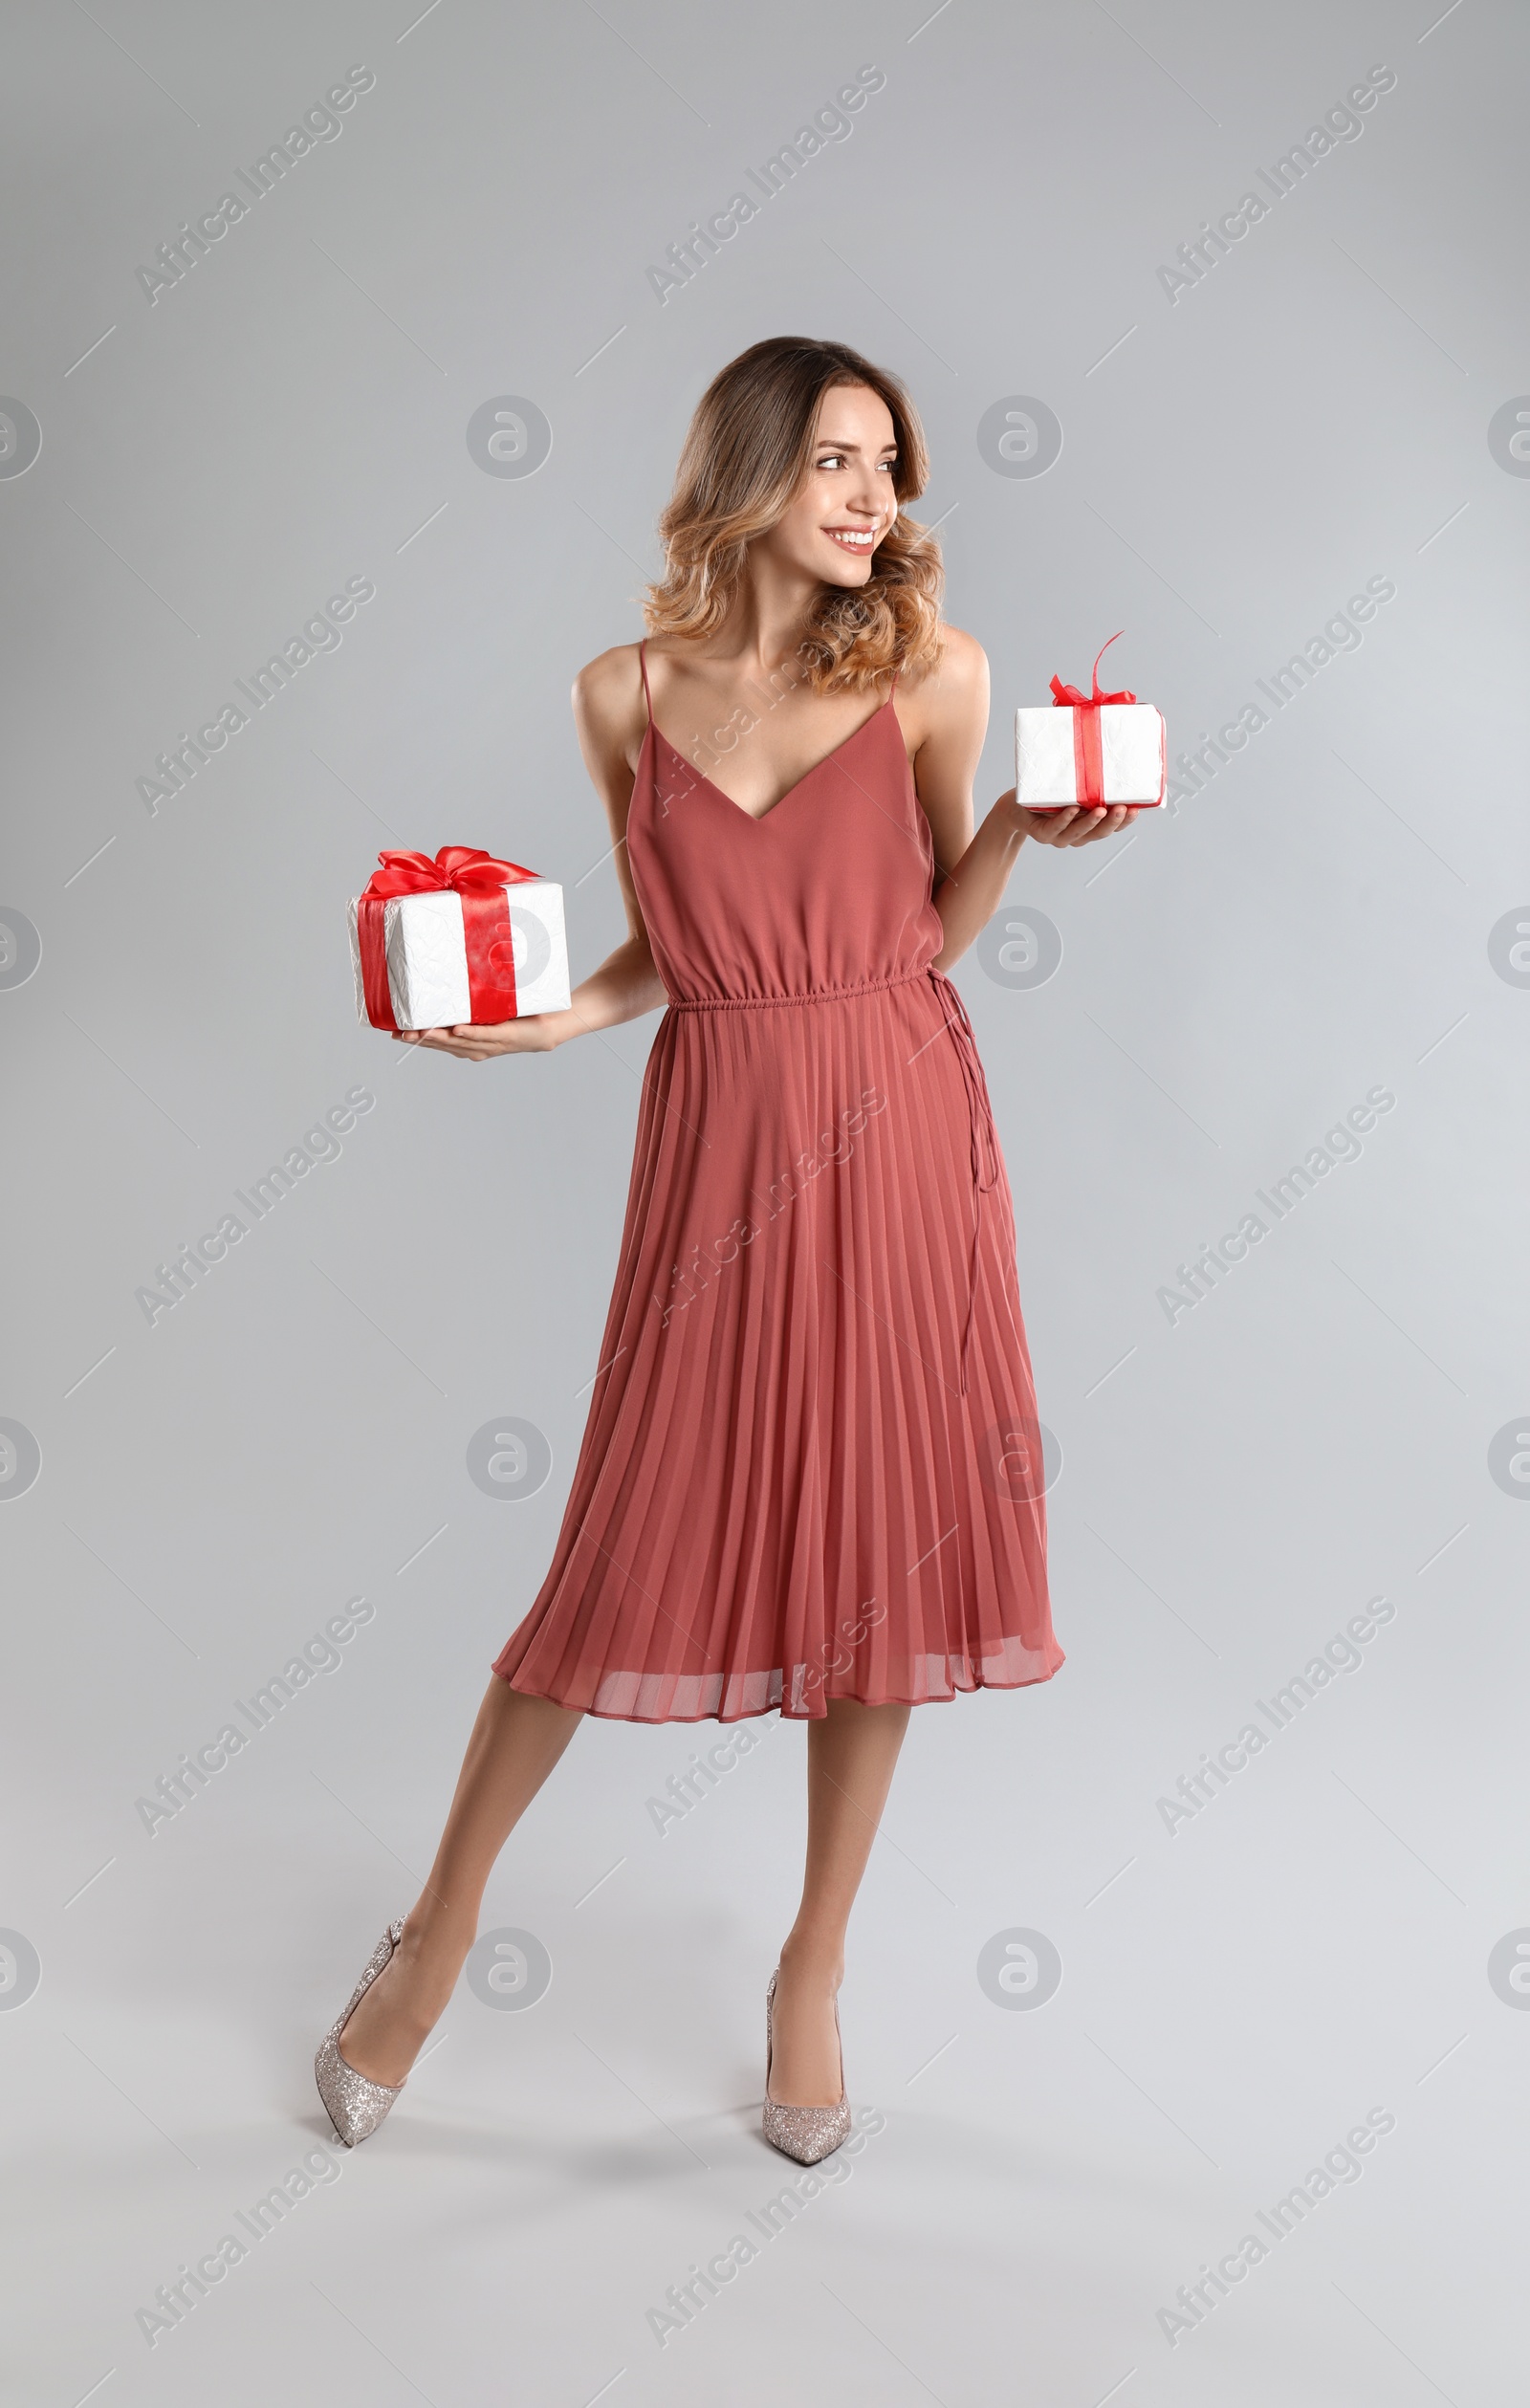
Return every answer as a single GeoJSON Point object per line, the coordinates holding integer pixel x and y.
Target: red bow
{"type": "Point", "coordinates": [1088, 772]}
{"type": "Point", "coordinates": [467, 867]}
{"type": "Point", "coordinates": [480, 881]}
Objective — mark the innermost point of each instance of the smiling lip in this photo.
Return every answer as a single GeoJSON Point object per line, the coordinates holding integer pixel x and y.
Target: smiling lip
{"type": "Point", "coordinates": [852, 538]}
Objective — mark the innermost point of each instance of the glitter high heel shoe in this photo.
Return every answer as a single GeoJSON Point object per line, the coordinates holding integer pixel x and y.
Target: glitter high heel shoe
{"type": "Point", "coordinates": [355, 2106]}
{"type": "Point", "coordinates": [806, 2133]}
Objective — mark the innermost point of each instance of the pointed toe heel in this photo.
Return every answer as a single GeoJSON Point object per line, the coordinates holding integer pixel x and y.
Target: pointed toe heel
{"type": "Point", "coordinates": [805, 2134]}
{"type": "Point", "coordinates": [355, 2105]}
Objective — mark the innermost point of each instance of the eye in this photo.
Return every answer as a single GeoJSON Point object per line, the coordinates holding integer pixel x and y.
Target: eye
{"type": "Point", "coordinates": [840, 459]}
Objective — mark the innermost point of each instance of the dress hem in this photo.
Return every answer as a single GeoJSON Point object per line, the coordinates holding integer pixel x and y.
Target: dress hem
{"type": "Point", "coordinates": [755, 1714]}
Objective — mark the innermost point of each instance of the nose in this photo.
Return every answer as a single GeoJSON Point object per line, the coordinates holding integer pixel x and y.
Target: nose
{"type": "Point", "coordinates": [866, 498]}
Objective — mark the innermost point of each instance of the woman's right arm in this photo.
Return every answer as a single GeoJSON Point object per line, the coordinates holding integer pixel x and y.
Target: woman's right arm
{"type": "Point", "coordinates": [609, 718]}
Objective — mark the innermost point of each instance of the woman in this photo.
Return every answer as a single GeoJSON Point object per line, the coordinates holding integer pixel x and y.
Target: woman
{"type": "Point", "coordinates": [805, 1482]}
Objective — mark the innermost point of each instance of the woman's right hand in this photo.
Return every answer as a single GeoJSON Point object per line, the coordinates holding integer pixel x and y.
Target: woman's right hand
{"type": "Point", "coordinates": [473, 1041]}
{"type": "Point", "coordinates": [624, 986]}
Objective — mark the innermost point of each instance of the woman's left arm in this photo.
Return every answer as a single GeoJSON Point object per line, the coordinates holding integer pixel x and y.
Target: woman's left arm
{"type": "Point", "coordinates": [950, 714]}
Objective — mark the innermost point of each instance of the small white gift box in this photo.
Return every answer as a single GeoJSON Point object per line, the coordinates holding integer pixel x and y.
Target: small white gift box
{"type": "Point", "coordinates": [467, 939]}
{"type": "Point", "coordinates": [1090, 749]}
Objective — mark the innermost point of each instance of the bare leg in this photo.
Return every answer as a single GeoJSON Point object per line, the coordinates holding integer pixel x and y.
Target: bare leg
{"type": "Point", "coordinates": [516, 1742]}
{"type": "Point", "coordinates": [850, 1758]}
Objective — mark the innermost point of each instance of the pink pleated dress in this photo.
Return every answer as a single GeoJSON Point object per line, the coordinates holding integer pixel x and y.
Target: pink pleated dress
{"type": "Point", "coordinates": [812, 1467]}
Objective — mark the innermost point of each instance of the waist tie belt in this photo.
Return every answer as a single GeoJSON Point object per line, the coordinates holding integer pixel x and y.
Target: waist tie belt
{"type": "Point", "coordinates": [804, 994]}
{"type": "Point", "coordinates": [983, 1147]}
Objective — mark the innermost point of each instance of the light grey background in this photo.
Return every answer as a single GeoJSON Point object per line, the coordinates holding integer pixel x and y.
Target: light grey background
{"type": "Point", "coordinates": [1234, 1485]}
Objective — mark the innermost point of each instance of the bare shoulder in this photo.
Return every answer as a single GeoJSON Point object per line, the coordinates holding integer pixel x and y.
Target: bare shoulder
{"type": "Point", "coordinates": [959, 675]}
{"type": "Point", "coordinates": [963, 666]}
{"type": "Point", "coordinates": [950, 697]}
{"type": "Point", "coordinates": [608, 699]}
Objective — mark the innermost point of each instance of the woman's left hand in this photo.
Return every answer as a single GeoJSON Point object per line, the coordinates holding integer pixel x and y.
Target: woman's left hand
{"type": "Point", "coordinates": [1074, 824]}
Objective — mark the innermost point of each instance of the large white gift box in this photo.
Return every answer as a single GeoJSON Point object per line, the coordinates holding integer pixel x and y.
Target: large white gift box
{"type": "Point", "coordinates": [1090, 749]}
{"type": "Point", "coordinates": [462, 944]}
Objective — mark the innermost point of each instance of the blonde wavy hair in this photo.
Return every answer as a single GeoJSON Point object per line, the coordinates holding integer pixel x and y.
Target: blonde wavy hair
{"type": "Point", "coordinates": [746, 456]}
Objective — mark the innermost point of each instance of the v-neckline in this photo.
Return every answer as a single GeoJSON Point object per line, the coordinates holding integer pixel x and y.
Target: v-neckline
{"type": "Point", "coordinates": [758, 818]}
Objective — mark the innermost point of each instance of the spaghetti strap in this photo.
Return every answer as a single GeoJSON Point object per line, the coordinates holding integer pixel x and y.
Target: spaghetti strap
{"type": "Point", "coordinates": [642, 664]}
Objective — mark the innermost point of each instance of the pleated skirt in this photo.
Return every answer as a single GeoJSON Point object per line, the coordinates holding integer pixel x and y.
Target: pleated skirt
{"type": "Point", "coordinates": [812, 1467]}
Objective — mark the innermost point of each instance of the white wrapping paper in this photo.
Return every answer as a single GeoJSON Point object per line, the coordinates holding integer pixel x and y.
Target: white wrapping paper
{"type": "Point", "coordinates": [1131, 755]}
{"type": "Point", "coordinates": [427, 954]}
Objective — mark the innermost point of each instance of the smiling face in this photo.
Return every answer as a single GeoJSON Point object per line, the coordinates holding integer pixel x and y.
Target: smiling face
{"type": "Point", "coordinates": [847, 502]}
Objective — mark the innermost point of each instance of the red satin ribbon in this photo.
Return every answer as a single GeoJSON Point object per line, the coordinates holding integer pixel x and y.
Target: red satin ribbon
{"type": "Point", "coordinates": [481, 882]}
{"type": "Point", "coordinates": [1088, 768]}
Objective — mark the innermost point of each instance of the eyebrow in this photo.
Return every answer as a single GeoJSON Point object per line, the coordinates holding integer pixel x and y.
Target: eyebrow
{"type": "Point", "coordinates": [832, 442]}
